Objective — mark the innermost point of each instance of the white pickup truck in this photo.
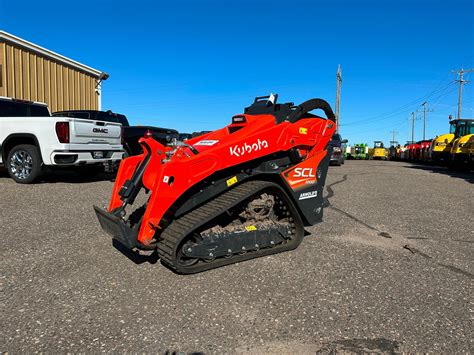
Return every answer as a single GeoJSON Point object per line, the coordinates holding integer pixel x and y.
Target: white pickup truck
{"type": "Point", "coordinates": [30, 139]}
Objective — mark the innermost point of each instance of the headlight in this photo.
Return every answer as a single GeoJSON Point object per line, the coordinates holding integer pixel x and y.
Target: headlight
{"type": "Point", "coordinates": [336, 150]}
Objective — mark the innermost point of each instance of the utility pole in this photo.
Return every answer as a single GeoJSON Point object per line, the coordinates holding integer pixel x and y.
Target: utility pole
{"type": "Point", "coordinates": [424, 118]}
{"type": "Point", "coordinates": [408, 129]}
{"type": "Point", "coordinates": [393, 141]}
{"type": "Point", "coordinates": [338, 95]}
{"type": "Point", "coordinates": [413, 127]}
{"type": "Point", "coordinates": [461, 81]}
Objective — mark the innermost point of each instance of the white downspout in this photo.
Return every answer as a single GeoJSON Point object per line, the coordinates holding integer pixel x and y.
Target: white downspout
{"type": "Point", "coordinates": [98, 90]}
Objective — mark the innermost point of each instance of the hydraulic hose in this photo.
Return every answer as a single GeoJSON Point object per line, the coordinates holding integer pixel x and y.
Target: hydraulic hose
{"type": "Point", "coordinates": [310, 105]}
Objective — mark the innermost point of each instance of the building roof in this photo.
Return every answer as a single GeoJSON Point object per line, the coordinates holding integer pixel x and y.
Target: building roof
{"type": "Point", "coordinates": [8, 37]}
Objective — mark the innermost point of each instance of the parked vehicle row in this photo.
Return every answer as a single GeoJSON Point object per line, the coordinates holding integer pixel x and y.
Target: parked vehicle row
{"type": "Point", "coordinates": [454, 149]}
{"type": "Point", "coordinates": [362, 151]}
{"type": "Point", "coordinates": [32, 140]}
{"type": "Point", "coordinates": [131, 134]}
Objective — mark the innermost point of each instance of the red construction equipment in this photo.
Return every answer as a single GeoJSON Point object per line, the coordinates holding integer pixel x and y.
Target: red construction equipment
{"type": "Point", "coordinates": [237, 193]}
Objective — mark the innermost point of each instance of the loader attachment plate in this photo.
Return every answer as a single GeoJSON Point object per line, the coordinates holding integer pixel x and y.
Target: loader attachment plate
{"type": "Point", "coordinates": [117, 228]}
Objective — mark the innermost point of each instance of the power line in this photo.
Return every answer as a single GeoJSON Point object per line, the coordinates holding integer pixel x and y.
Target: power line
{"type": "Point", "coordinates": [440, 96]}
{"type": "Point", "coordinates": [453, 88]}
{"type": "Point", "coordinates": [404, 107]}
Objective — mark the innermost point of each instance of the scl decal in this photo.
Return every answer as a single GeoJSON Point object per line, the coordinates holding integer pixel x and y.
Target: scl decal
{"type": "Point", "coordinates": [304, 172]}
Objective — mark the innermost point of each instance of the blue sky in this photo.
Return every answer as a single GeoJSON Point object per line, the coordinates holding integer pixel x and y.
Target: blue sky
{"type": "Point", "coordinates": [191, 65]}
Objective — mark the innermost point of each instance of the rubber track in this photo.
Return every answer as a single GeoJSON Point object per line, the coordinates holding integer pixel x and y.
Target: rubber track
{"type": "Point", "coordinates": [180, 228]}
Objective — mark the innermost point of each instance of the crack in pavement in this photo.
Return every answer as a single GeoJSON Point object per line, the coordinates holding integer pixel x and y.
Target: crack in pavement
{"type": "Point", "coordinates": [413, 250]}
{"type": "Point", "coordinates": [457, 270]}
{"type": "Point", "coordinates": [450, 267]}
{"type": "Point", "coordinates": [462, 241]}
{"type": "Point", "coordinates": [327, 203]}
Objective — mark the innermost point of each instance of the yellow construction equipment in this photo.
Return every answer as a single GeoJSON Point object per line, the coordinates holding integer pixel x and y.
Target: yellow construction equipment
{"type": "Point", "coordinates": [441, 151]}
{"type": "Point", "coordinates": [378, 152]}
{"type": "Point", "coordinates": [462, 148]}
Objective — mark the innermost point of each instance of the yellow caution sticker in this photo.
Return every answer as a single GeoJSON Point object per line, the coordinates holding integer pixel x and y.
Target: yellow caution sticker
{"type": "Point", "coordinates": [250, 228]}
{"type": "Point", "coordinates": [232, 181]}
{"type": "Point", "coordinates": [303, 130]}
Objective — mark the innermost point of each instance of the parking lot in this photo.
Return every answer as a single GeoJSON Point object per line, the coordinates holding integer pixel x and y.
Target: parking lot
{"type": "Point", "coordinates": [390, 269]}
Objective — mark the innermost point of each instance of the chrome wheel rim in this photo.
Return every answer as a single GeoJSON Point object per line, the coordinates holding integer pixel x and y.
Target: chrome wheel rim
{"type": "Point", "coordinates": [21, 164]}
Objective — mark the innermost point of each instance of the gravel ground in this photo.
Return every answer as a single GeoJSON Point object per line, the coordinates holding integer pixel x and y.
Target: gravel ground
{"type": "Point", "coordinates": [390, 269]}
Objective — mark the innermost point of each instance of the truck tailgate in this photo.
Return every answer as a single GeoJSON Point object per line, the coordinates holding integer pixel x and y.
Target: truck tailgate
{"type": "Point", "coordinates": [85, 131]}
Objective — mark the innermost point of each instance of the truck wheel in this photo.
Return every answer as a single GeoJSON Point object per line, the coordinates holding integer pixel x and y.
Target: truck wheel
{"type": "Point", "coordinates": [24, 163]}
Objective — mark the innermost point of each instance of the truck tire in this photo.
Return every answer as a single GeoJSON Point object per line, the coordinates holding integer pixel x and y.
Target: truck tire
{"type": "Point", "coordinates": [24, 163]}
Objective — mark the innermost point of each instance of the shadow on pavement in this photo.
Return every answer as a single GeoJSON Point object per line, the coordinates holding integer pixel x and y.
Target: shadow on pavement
{"type": "Point", "coordinates": [466, 175]}
{"type": "Point", "coordinates": [66, 176]}
{"type": "Point", "coordinates": [133, 256]}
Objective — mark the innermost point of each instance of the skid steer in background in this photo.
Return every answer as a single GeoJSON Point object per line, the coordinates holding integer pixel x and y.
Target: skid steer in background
{"type": "Point", "coordinates": [358, 151]}
{"type": "Point", "coordinates": [378, 152]}
{"type": "Point", "coordinates": [237, 193]}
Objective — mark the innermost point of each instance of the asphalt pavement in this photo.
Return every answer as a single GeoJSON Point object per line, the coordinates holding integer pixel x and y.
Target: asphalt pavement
{"type": "Point", "coordinates": [389, 270]}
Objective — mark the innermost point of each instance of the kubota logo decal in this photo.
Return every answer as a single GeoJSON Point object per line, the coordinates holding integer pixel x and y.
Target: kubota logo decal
{"type": "Point", "coordinates": [246, 148]}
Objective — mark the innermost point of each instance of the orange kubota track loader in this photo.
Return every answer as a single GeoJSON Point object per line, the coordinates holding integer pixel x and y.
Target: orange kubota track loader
{"type": "Point", "coordinates": [237, 193]}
